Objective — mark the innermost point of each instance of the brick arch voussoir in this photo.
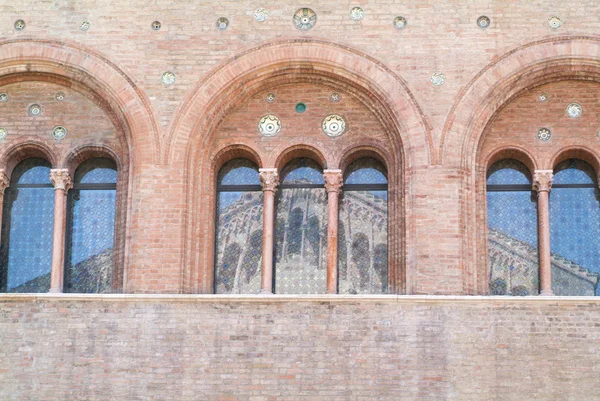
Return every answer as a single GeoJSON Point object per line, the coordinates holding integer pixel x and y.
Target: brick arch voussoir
{"type": "Point", "coordinates": [525, 67]}
{"type": "Point", "coordinates": [25, 150]}
{"type": "Point", "coordinates": [577, 152]}
{"type": "Point", "coordinates": [86, 68]}
{"type": "Point", "coordinates": [221, 85]}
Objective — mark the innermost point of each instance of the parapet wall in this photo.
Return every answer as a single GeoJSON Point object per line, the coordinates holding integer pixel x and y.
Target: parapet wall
{"type": "Point", "coordinates": [207, 347]}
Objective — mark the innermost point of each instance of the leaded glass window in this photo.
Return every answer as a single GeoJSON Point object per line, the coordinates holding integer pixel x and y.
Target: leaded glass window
{"type": "Point", "coordinates": [239, 229]}
{"type": "Point", "coordinates": [512, 230]}
{"type": "Point", "coordinates": [575, 229]}
{"type": "Point", "coordinates": [363, 229]}
{"type": "Point", "coordinates": [301, 229]}
{"type": "Point", "coordinates": [27, 224]}
{"type": "Point", "coordinates": [89, 259]}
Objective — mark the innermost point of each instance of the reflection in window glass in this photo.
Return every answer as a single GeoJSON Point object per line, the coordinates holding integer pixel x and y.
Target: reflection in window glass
{"type": "Point", "coordinates": [239, 229]}
{"type": "Point", "coordinates": [27, 224]}
{"type": "Point", "coordinates": [89, 261]}
{"type": "Point", "coordinates": [512, 230]}
{"type": "Point", "coordinates": [301, 230]}
{"type": "Point", "coordinates": [362, 230]}
{"type": "Point", "coordinates": [574, 229]}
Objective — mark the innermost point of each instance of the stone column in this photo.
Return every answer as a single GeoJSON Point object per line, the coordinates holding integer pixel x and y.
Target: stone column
{"type": "Point", "coordinates": [269, 180]}
{"type": "Point", "coordinates": [333, 185]}
{"type": "Point", "coordinates": [4, 183]}
{"type": "Point", "coordinates": [62, 183]}
{"type": "Point", "coordinates": [542, 182]}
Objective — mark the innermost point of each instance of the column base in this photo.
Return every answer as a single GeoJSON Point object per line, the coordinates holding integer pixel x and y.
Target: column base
{"type": "Point", "coordinates": [266, 292]}
{"type": "Point", "coordinates": [547, 293]}
{"type": "Point", "coordinates": [55, 291]}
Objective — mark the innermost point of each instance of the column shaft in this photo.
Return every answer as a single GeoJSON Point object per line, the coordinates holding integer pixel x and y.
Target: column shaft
{"type": "Point", "coordinates": [62, 183]}
{"type": "Point", "coordinates": [542, 182]}
{"type": "Point", "coordinates": [269, 181]}
{"type": "Point", "coordinates": [333, 185]}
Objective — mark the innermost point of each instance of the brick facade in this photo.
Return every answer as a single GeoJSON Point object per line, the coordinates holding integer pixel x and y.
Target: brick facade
{"type": "Point", "coordinates": [437, 143]}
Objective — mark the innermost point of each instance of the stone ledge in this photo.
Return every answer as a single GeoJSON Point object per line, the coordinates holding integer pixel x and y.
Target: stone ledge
{"type": "Point", "coordinates": [207, 298]}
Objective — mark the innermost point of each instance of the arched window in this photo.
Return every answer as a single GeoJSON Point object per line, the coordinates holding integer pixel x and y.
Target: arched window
{"type": "Point", "coordinates": [363, 228]}
{"type": "Point", "coordinates": [512, 230]}
{"type": "Point", "coordinates": [301, 229]}
{"type": "Point", "coordinates": [239, 228]}
{"type": "Point", "coordinates": [89, 259]}
{"type": "Point", "coordinates": [575, 229]}
{"type": "Point", "coordinates": [27, 223]}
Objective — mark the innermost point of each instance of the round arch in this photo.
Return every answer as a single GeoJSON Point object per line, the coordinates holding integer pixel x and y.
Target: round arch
{"type": "Point", "coordinates": [297, 60]}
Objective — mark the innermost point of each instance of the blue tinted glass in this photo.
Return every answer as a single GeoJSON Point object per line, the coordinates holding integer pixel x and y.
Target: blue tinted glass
{"type": "Point", "coordinates": [365, 171]}
{"type": "Point", "coordinates": [508, 172]}
{"type": "Point", "coordinates": [302, 171]}
{"type": "Point", "coordinates": [238, 172]}
{"type": "Point", "coordinates": [239, 242]}
{"type": "Point", "coordinates": [573, 171]}
{"type": "Point", "coordinates": [26, 250]}
{"type": "Point", "coordinates": [96, 171]}
{"type": "Point", "coordinates": [301, 241]}
{"type": "Point", "coordinates": [512, 243]}
{"type": "Point", "coordinates": [31, 171]}
{"type": "Point", "coordinates": [574, 233]}
{"type": "Point", "coordinates": [362, 244]}
{"type": "Point", "coordinates": [90, 259]}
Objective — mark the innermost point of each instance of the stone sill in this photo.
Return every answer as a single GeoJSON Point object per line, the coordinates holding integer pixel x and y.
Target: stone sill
{"type": "Point", "coordinates": [274, 298]}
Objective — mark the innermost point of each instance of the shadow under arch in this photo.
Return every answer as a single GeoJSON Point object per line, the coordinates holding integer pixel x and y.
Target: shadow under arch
{"type": "Point", "coordinates": [577, 152]}
{"type": "Point", "coordinates": [25, 150]}
{"type": "Point", "coordinates": [296, 60]}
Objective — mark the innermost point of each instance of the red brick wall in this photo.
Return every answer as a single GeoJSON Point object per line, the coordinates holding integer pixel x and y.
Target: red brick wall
{"type": "Point", "coordinates": [435, 139]}
{"type": "Point", "coordinates": [212, 348]}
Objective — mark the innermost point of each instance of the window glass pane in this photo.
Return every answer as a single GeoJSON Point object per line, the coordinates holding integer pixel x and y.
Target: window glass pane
{"type": "Point", "coordinates": [365, 171]}
{"type": "Point", "coordinates": [96, 171]}
{"type": "Point", "coordinates": [574, 232]}
{"type": "Point", "coordinates": [238, 172]}
{"type": "Point", "coordinates": [302, 171]}
{"type": "Point", "coordinates": [31, 171]}
{"type": "Point", "coordinates": [573, 171]}
{"type": "Point", "coordinates": [26, 251]}
{"type": "Point", "coordinates": [301, 241]}
{"type": "Point", "coordinates": [508, 172]}
{"type": "Point", "coordinates": [239, 242]}
{"type": "Point", "coordinates": [362, 245]}
{"type": "Point", "coordinates": [90, 260]}
{"type": "Point", "coordinates": [512, 233]}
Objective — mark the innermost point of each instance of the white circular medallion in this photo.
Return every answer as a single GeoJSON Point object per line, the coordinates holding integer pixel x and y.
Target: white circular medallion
{"type": "Point", "coordinates": [222, 23]}
{"type": "Point", "coordinates": [85, 26]}
{"type": "Point", "coordinates": [269, 125]}
{"type": "Point", "coordinates": [357, 13]}
{"type": "Point", "coordinates": [3, 133]}
{"type": "Point", "coordinates": [156, 25]}
{"type": "Point", "coordinates": [60, 96]}
{"type": "Point", "coordinates": [19, 25]}
{"type": "Point", "coordinates": [334, 125]}
{"type": "Point", "coordinates": [305, 19]}
{"type": "Point", "coordinates": [34, 110]}
{"type": "Point", "coordinates": [59, 132]}
{"type": "Point", "coordinates": [544, 134]}
{"type": "Point", "coordinates": [574, 110]}
{"type": "Point", "coordinates": [438, 79]}
{"type": "Point", "coordinates": [3, 97]}
{"type": "Point", "coordinates": [335, 97]}
{"type": "Point", "coordinates": [483, 22]}
{"type": "Point", "coordinates": [400, 22]}
{"type": "Point", "coordinates": [168, 78]}
{"type": "Point", "coordinates": [270, 98]}
{"type": "Point", "coordinates": [543, 97]}
{"type": "Point", "coordinates": [554, 22]}
{"type": "Point", "coordinates": [261, 14]}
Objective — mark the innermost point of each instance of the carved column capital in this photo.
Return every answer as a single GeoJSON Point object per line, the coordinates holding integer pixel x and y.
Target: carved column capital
{"type": "Point", "coordinates": [4, 181]}
{"type": "Point", "coordinates": [542, 180]}
{"type": "Point", "coordinates": [333, 180]}
{"type": "Point", "coordinates": [269, 179]}
{"type": "Point", "coordinates": [61, 179]}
